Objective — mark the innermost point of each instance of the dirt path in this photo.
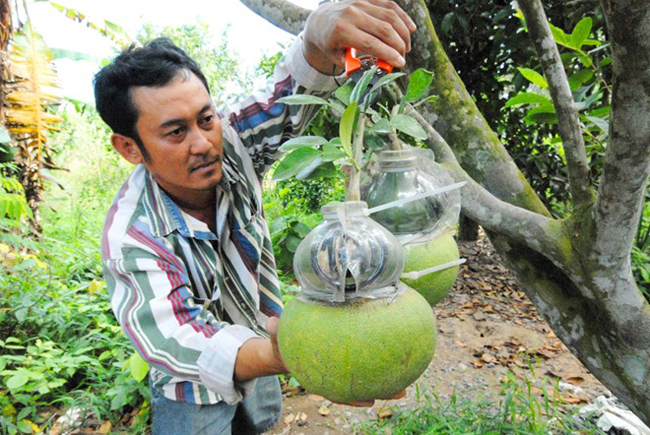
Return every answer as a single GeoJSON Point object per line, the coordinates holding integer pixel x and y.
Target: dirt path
{"type": "Point", "coordinates": [486, 328]}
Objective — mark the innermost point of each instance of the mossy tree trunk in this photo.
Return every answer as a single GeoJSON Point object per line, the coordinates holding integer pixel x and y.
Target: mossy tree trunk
{"type": "Point", "coordinates": [576, 270]}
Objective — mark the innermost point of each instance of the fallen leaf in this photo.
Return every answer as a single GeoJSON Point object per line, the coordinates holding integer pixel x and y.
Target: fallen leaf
{"type": "Point", "coordinates": [459, 343]}
{"type": "Point", "coordinates": [488, 358]}
{"type": "Point", "coordinates": [478, 364]}
{"type": "Point", "coordinates": [575, 380]}
{"type": "Point", "coordinates": [551, 334]}
{"type": "Point", "coordinates": [385, 413]}
{"type": "Point", "coordinates": [302, 416]}
{"type": "Point", "coordinates": [289, 419]}
{"type": "Point", "coordinates": [574, 400]}
{"type": "Point", "coordinates": [105, 427]}
{"type": "Point", "coordinates": [324, 410]}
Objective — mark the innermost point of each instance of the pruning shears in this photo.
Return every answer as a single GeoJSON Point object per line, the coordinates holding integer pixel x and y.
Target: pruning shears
{"type": "Point", "coordinates": [357, 63]}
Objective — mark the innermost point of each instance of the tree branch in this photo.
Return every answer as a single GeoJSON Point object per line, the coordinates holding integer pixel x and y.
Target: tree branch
{"type": "Point", "coordinates": [558, 85]}
{"type": "Point", "coordinates": [526, 227]}
{"type": "Point", "coordinates": [627, 165]}
{"type": "Point", "coordinates": [281, 13]}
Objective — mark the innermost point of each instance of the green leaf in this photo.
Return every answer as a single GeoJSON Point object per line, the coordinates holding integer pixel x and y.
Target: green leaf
{"type": "Point", "coordinates": [303, 100]}
{"type": "Point", "coordinates": [541, 115]}
{"type": "Point", "coordinates": [410, 126]}
{"type": "Point", "coordinates": [310, 169]}
{"type": "Point", "coordinates": [586, 60]}
{"type": "Point", "coordinates": [300, 228]}
{"type": "Point", "coordinates": [362, 85]}
{"type": "Point", "coordinates": [343, 93]}
{"type": "Point", "coordinates": [294, 162]}
{"type": "Point", "coordinates": [533, 77]}
{"type": "Point", "coordinates": [25, 426]}
{"type": "Point", "coordinates": [325, 170]}
{"type": "Point", "coordinates": [385, 80]}
{"type": "Point", "coordinates": [581, 32]}
{"type": "Point", "coordinates": [527, 98]}
{"type": "Point", "coordinates": [293, 383]}
{"type": "Point", "coordinates": [292, 243]}
{"type": "Point", "coordinates": [346, 127]}
{"type": "Point", "coordinates": [418, 84]}
{"type": "Point", "coordinates": [600, 123]}
{"type": "Point", "coordinates": [559, 35]}
{"type": "Point", "coordinates": [303, 141]}
{"type": "Point", "coordinates": [576, 80]}
{"type": "Point", "coordinates": [382, 126]}
{"type": "Point", "coordinates": [139, 367]}
{"type": "Point", "coordinates": [331, 153]}
{"type": "Point", "coordinates": [17, 381]}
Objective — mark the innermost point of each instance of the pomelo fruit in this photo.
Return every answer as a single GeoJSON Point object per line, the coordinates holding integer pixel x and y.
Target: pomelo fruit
{"type": "Point", "coordinates": [424, 255]}
{"type": "Point", "coordinates": [363, 349]}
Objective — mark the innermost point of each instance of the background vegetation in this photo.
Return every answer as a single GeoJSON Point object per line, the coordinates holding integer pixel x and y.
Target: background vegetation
{"type": "Point", "coordinates": [63, 350]}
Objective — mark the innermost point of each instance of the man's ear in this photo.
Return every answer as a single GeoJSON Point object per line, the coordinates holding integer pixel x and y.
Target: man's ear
{"type": "Point", "coordinates": [127, 148]}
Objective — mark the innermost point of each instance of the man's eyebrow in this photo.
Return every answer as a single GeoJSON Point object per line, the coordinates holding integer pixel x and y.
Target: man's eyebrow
{"type": "Point", "coordinates": [180, 122]}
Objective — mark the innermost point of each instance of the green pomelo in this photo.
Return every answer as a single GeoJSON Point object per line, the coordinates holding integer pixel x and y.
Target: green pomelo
{"type": "Point", "coordinates": [420, 256]}
{"type": "Point", "coordinates": [363, 350]}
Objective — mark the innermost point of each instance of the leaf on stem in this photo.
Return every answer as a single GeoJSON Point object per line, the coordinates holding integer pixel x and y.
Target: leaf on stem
{"type": "Point", "coordinates": [410, 126]}
{"type": "Point", "coordinates": [534, 77]}
{"type": "Point", "coordinates": [527, 98]}
{"type": "Point", "coordinates": [303, 100]}
{"type": "Point", "coordinates": [294, 162]}
{"type": "Point", "coordinates": [303, 141]}
{"type": "Point", "coordinates": [418, 84]}
{"type": "Point", "coordinates": [581, 32]}
{"type": "Point", "coordinates": [346, 127]}
{"type": "Point", "coordinates": [362, 85]}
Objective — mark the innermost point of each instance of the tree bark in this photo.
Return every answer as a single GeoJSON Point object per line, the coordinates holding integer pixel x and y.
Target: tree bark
{"type": "Point", "coordinates": [577, 270]}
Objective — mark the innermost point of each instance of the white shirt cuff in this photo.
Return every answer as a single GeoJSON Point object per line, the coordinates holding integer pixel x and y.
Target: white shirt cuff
{"type": "Point", "coordinates": [306, 75]}
{"type": "Point", "coordinates": [217, 364]}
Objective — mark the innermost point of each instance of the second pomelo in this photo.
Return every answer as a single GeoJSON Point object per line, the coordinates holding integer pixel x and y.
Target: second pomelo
{"type": "Point", "coordinates": [424, 255]}
{"type": "Point", "coordinates": [363, 349]}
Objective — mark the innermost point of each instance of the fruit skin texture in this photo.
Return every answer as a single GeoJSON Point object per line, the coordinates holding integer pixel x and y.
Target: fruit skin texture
{"type": "Point", "coordinates": [419, 256]}
{"type": "Point", "coordinates": [364, 350]}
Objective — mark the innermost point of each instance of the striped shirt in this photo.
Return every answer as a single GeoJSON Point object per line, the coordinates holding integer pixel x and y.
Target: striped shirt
{"type": "Point", "coordinates": [188, 298]}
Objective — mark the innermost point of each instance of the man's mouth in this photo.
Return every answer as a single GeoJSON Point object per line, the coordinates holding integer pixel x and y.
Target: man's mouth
{"type": "Point", "coordinates": [205, 164]}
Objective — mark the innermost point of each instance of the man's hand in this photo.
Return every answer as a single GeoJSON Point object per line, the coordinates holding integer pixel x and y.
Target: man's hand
{"type": "Point", "coordinates": [377, 27]}
{"type": "Point", "coordinates": [260, 357]}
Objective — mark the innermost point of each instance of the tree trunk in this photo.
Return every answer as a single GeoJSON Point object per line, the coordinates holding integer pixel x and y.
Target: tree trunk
{"type": "Point", "coordinates": [576, 270]}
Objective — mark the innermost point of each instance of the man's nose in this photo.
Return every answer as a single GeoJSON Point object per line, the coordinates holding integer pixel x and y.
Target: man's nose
{"type": "Point", "coordinates": [200, 143]}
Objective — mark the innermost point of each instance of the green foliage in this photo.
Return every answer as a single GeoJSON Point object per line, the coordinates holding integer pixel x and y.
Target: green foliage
{"type": "Point", "coordinates": [315, 156]}
{"type": "Point", "coordinates": [53, 288]}
{"type": "Point", "coordinates": [485, 44]}
{"type": "Point", "coordinates": [219, 65]}
{"type": "Point", "coordinates": [13, 205]}
{"type": "Point", "coordinates": [520, 411]}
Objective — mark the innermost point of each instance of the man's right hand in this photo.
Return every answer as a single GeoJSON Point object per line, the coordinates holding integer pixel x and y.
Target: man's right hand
{"type": "Point", "coordinates": [377, 27]}
{"type": "Point", "coordinates": [260, 357]}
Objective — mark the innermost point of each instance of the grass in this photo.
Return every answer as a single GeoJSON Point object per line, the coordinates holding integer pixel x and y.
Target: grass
{"type": "Point", "coordinates": [518, 410]}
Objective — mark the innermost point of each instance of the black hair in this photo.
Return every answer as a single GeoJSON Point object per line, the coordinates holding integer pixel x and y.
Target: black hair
{"type": "Point", "coordinates": [153, 65]}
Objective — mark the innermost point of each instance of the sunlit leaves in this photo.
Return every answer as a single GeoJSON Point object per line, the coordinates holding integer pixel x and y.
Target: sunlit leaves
{"type": "Point", "coordinates": [408, 125]}
{"type": "Point", "coordinates": [419, 82]}
{"type": "Point", "coordinates": [533, 77]}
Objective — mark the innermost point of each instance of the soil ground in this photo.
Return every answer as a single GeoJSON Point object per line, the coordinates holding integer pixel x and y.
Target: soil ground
{"type": "Point", "coordinates": [487, 327]}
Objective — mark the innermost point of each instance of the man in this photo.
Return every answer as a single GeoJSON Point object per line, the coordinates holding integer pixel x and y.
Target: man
{"type": "Point", "coordinates": [186, 248]}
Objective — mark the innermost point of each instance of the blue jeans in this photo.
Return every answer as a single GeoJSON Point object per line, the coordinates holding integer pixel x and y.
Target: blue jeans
{"type": "Point", "coordinates": [256, 414]}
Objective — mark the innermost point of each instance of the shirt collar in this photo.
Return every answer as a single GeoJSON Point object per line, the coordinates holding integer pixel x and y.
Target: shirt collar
{"type": "Point", "coordinates": [165, 216]}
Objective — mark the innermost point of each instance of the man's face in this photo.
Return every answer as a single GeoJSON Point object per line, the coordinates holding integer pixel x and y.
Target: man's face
{"type": "Point", "coordinates": [181, 132]}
